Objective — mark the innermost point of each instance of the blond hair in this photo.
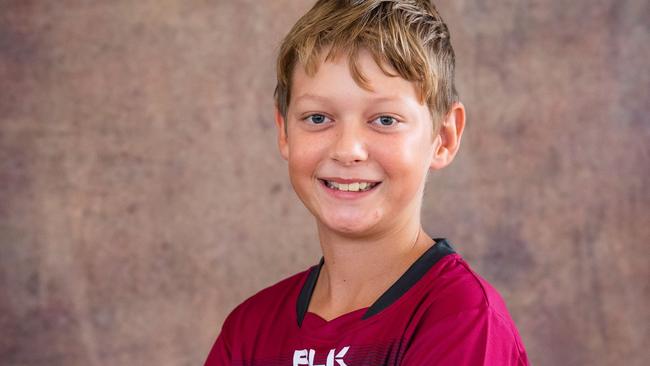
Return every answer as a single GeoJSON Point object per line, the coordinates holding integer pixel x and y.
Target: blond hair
{"type": "Point", "coordinates": [408, 35]}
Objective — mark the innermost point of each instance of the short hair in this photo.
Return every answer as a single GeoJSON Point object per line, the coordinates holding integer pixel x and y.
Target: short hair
{"type": "Point", "coordinates": [408, 35]}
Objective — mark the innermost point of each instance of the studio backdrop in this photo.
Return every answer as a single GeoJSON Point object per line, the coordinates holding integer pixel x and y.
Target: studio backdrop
{"type": "Point", "coordinates": [142, 195]}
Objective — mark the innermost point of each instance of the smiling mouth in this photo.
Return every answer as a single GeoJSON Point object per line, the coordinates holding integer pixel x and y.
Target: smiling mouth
{"type": "Point", "coordinates": [350, 187]}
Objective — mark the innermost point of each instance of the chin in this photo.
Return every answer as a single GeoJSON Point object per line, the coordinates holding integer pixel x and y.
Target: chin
{"type": "Point", "coordinates": [350, 226]}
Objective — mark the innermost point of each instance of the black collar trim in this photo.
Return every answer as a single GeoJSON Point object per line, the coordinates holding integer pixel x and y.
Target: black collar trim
{"type": "Point", "coordinates": [418, 269]}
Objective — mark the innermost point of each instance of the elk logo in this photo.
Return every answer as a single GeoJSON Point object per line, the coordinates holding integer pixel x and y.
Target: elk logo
{"type": "Point", "coordinates": [306, 357]}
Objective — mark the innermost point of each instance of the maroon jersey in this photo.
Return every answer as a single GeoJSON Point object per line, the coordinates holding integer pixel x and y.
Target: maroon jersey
{"type": "Point", "coordinates": [439, 312]}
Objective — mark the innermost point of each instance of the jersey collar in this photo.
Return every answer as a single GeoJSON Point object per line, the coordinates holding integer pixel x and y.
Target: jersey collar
{"type": "Point", "coordinates": [417, 270]}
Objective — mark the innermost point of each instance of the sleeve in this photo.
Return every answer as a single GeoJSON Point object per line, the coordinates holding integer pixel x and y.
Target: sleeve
{"type": "Point", "coordinates": [476, 337]}
{"type": "Point", "coordinates": [221, 352]}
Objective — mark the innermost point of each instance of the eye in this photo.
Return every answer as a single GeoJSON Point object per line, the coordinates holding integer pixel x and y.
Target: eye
{"type": "Point", "coordinates": [316, 119]}
{"type": "Point", "coordinates": [385, 121]}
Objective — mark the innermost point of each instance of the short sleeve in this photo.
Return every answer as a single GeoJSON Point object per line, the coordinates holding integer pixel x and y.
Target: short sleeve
{"type": "Point", "coordinates": [476, 337]}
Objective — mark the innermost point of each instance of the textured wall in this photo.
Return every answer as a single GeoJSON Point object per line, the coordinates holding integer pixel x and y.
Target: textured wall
{"type": "Point", "coordinates": [142, 197]}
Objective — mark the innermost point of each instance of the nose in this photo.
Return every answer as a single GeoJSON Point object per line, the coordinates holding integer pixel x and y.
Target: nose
{"type": "Point", "coordinates": [349, 145]}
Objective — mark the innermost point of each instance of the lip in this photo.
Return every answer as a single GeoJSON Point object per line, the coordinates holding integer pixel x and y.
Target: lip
{"type": "Point", "coordinates": [348, 181]}
{"type": "Point", "coordinates": [347, 195]}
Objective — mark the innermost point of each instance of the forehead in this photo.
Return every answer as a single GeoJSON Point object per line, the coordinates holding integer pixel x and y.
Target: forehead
{"type": "Point", "coordinates": [334, 79]}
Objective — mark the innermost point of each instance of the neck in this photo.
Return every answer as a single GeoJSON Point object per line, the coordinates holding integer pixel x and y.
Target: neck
{"type": "Point", "coordinates": [358, 270]}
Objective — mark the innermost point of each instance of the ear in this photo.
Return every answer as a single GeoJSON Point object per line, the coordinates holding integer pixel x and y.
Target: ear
{"type": "Point", "coordinates": [448, 138]}
{"type": "Point", "coordinates": [283, 143]}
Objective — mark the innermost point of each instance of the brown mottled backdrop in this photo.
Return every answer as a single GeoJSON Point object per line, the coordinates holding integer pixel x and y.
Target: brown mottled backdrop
{"type": "Point", "coordinates": [142, 196]}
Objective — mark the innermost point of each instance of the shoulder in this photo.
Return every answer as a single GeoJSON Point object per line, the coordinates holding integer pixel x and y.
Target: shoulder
{"type": "Point", "coordinates": [468, 315]}
{"type": "Point", "coordinates": [268, 303]}
{"type": "Point", "coordinates": [456, 287]}
{"type": "Point", "coordinates": [267, 308]}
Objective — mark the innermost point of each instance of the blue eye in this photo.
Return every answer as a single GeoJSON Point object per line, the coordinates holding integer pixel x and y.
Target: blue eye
{"type": "Point", "coordinates": [317, 119]}
{"type": "Point", "coordinates": [386, 121]}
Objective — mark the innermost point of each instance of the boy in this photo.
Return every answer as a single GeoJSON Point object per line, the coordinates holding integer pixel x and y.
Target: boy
{"type": "Point", "coordinates": [366, 106]}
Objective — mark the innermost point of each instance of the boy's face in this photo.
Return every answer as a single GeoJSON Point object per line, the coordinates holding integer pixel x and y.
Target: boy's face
{"type": "Point", "coordinates": [339, 134]}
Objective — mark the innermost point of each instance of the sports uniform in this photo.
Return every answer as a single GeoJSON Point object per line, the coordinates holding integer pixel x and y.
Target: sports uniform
{"type": "Point", "coordinates": [439, 312]}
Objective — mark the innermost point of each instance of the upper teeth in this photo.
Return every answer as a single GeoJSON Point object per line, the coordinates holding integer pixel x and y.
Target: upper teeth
{"type": "Point", "coordinates": [352, 187]}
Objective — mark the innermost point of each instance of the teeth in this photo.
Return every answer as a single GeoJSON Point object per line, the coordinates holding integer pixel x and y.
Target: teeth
{"type": "Point", "coordinates": [352, 187]}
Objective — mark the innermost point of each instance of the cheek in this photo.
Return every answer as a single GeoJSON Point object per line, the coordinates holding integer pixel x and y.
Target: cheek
{"type": "Point", "coordinates": [304, 157]}
{"type": "Point", "coordinates": [405, 164]}
{"type": "Point", "coordinates": [401, 158]}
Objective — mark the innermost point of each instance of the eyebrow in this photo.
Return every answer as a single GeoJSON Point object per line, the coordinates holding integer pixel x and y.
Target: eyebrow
{"type": "Point", "coordinates": [321, 98]}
